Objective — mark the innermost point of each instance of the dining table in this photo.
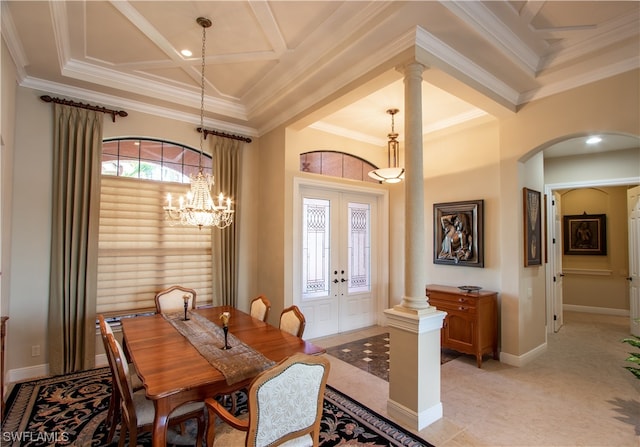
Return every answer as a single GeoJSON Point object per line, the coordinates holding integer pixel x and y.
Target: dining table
{"type": "Point", "coordinates": [176, 365]}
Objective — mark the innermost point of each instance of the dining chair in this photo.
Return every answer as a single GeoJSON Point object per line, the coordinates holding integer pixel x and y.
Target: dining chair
{"type": "Point", "coordinates": [285, 405]}
{"type": "Point", "coordinates": [113, 413]}
{"type": "Point", "coordinates": [172, 299]}
{"type": "Point", "coordinates": [260, 307]}
{"type": "Point", "coordinates": [138, 412]}
{"type": "Point", "coordinates": [292, 321]}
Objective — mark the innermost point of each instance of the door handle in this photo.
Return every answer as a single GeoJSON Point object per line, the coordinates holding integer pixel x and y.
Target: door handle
{"type": "Point", "coordinates": [342, 280]}
{"type": "Point", "coordinates": [335, 281]}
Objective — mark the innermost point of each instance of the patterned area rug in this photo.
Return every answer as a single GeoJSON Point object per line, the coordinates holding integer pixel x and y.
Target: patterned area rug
{"type": "Point", "coordinates": [70, 410]}
{"type": "Point", "coordinates": [372, 355]}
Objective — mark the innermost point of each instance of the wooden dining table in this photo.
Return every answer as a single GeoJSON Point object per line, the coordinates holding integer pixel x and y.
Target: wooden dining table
{"type": "Point", "coordinates": [174, 372]}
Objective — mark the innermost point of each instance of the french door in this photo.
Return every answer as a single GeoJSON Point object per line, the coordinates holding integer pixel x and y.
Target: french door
{"type": "Point", "coordinates": [337, 275]}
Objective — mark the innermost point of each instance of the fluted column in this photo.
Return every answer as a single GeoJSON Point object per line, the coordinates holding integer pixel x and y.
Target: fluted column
{"type": "Point", "coordinates": [415, 244]}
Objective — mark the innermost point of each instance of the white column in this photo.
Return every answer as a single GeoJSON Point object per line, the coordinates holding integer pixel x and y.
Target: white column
{"type": "Point", "coordinates": [415, 246]}
{"type": "Point", "coordinates": [414, 326]}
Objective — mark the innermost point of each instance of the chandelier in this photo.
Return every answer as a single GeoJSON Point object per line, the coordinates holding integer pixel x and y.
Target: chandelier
{"type": "Point", "coordinates": [392, 174]}
{"type": "Point", "coordinates": [199, 209]}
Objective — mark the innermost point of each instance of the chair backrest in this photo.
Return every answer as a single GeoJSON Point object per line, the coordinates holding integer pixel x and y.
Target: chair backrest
{"type": "Point", "coordinates": [285, 402]}
{"type": "Point", "coordinates": [122, 377]}
{"type": "Point", "coordinates": [172, 299]}
{"type": "Point", "coordinates": [260, 307]}
{"type": "Point", "coordinates": [292, 321]}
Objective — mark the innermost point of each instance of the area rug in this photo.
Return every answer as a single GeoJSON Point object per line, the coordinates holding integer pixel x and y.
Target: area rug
{"type": "Point", "coordinates": [371, 354]}
{"type": "Point", "coordinates": [70, 410]}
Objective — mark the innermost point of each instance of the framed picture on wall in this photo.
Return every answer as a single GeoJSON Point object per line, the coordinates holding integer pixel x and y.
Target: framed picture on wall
{"type": "Point", "coordinates": [532, 207]}
{"type": "Point", "coordinates": [585, 234]}
{"type": "Point", "coordinates": [458, 233]}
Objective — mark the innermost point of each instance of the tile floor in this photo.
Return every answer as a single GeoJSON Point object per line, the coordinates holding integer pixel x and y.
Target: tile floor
{"type": "Point", "coordinates": [576, 393]}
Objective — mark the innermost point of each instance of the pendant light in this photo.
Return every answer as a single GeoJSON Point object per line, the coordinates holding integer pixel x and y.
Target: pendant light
{"type": "Point", "coordinates": [392, 174]}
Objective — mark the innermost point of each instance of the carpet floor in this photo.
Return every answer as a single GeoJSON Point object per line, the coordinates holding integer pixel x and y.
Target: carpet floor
{"type": "Point", "coordinates": [371, 354]}
{"type": "Point", "coordinates": [70, 410]}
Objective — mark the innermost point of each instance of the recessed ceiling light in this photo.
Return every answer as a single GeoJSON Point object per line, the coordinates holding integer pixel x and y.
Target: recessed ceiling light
{"type": "Point", "coordinates": [186, 53]}
{"type": "Point", "coordinates": [593, 140]}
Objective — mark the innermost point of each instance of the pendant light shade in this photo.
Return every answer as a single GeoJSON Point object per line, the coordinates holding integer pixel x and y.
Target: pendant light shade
{"type": "Point", "coordinates": [392, 174]}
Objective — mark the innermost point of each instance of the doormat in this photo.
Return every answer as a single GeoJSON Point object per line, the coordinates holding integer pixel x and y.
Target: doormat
{"type": "Point", "coordinates": [371, 354]}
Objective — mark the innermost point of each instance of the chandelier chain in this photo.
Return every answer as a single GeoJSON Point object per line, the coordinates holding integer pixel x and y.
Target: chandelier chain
{"type": "Point", "coordinates": [199, 209]}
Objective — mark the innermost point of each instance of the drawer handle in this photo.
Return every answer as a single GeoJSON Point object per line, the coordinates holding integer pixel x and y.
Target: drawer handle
{"type": "Point", "coordinates": [462, 308]}
{"type": "Point", "coordinates": [462, 300]}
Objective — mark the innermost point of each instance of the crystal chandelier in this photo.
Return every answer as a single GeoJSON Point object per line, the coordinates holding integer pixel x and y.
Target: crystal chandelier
{"type": "Point", "coordinates": [392, 174]}
{"type": "Point", "coordinates": [199, 209]}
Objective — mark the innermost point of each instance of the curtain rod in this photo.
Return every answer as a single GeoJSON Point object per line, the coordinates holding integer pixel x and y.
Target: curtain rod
{"type": "Point", "coordinates": [67, 102]}
{"type": "Point", "coordinates": [223, 135]}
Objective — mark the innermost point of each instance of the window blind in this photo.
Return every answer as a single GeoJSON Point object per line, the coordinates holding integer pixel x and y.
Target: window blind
{"type": "Point", "coordinates": [139, 253]}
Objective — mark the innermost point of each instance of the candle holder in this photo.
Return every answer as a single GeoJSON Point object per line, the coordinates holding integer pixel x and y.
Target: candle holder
{"type": "Point", "coordinates": [225, 329]}
{"type": "Point", "coordinates": [186, 306]}
{"type": "Point", "coordinates": [224, 316]}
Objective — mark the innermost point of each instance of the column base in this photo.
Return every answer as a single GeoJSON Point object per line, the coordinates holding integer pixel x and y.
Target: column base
{"type": "Point", "coordinates": [413, 419]}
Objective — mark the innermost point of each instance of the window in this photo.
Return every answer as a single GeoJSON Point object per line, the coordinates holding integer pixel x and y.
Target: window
{"type": "Point", "coordinates": [139, 253]}
{"type": "Point", "coordinates": [337, 164]}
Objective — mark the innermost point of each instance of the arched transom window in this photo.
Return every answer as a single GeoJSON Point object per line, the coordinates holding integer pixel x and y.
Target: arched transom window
{"type": "Point", "coordinates": [337, 164]}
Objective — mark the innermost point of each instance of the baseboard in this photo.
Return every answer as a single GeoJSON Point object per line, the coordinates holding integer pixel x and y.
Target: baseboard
{"type": "Point", "coordinates": [36, 371]}
{"type": "Point", "coordinates": [596, 310]}
{"type": "Point", "coordinates": [28, 373]}
{"type": "Point", "coordinates": [521, 360]}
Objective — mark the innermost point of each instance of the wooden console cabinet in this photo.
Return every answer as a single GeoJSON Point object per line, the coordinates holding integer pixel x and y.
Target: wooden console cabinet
{"type": "Point", "coordinates": [471, 324]}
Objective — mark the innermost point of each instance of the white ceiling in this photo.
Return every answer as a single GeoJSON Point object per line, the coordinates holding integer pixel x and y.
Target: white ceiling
{"type": "Point", "coordinates": [327, 64]}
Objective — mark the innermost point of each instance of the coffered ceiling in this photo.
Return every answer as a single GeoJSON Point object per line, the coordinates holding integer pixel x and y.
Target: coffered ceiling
{"type": "Point", "coordinates": [327, 64]}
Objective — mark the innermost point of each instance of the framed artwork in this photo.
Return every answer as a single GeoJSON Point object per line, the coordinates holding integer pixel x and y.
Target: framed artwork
{"type": "Point", "coordinates": [458, 233]}
{"type": "Point", "coordinates": [585, 234]}
{"type": "Point", "coordinates": [532, 207]}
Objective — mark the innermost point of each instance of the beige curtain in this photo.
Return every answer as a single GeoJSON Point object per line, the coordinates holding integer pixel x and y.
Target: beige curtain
{"type": "Point", "coordinates": [226, 171]}
{"type": "Point", "coordinates": [74, 238]}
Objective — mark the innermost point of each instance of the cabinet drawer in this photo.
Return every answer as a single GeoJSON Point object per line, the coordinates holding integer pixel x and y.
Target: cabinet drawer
{"type": "Point", "coordinates": [453, 306]}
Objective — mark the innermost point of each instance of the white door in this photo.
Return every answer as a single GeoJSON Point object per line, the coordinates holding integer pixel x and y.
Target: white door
{"type": "Point", "coordinates": [337, 272]}
{"type": "Point", "coordinates": [556, 259]}
{"type": "Point", "coordinates": [633, 205]}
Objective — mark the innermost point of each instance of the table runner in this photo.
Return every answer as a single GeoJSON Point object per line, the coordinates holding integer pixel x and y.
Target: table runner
{"type": "Point", "coordinates": [236, 364]}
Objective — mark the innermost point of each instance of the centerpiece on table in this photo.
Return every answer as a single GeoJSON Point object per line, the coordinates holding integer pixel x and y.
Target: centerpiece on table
{"type": "Point", "coordinates": [224, 316]}
{"type": "Point", "coordinates": [186, 298]}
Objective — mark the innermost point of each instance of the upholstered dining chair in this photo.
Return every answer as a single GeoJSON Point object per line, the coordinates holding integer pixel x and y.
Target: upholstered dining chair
{"type": "Point", "coordinates": [260, 307]}
{"type": "Point", "coordinates": [172, 299]}
{"type": "Point", "coordinates": [137, 411]}
{"type": "Point", "coordinates": [292, 321]}
{"type": "Point", "coordinates": [285, 406]}
{"type": "Point", "coordinates": [113, 413]}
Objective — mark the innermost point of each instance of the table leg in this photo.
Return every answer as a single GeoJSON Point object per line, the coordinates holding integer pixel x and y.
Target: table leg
{"type": "Point", "coordinates": [159, 436]}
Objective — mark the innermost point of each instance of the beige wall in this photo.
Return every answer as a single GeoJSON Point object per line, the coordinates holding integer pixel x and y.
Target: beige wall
{"type": "Point", "coordinates": [7, 137]}
{"type": "Point", "coordinates": [609, 106]}
{"type": "Point", "coordinates": [598, 281]}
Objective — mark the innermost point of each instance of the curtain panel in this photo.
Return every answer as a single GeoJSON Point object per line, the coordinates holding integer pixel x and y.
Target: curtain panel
{"type": "Point", "coordinates": [226, 170]}
{"type": "Point", "coordinates": [74, 239]}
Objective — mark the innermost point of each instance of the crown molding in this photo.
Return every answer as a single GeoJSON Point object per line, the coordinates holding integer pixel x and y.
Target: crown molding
{"type": "Point", "coordinates": [613, 32]}
{"type": "Point", "coordinates": [487, 24]}
{"type": "Point", "coordinates": [140, 85]}
{"type": "Point", "coordinates": [14, 45]}
{"type": "Point", "coordinates": [578, 80]}
{"type": "Point", "coordinates": [132, 105]}
{"type": "Point", "coordinates": [463, 65]}
{"type": "Point", "coordinates": [60, 24]}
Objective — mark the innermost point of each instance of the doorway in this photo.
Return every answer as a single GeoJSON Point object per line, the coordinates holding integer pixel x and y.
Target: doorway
{"type": "Point", "coordinates": [554, 268]}
{"type": "Point", "coordinates": [337, 251]}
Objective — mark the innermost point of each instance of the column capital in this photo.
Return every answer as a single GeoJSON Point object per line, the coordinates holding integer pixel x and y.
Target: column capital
{"type": "Point", "coordinates": [412, 68]}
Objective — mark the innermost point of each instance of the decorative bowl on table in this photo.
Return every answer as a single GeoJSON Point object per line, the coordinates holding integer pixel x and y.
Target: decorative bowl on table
{"type": "Point", "coordinates": [469, 288]}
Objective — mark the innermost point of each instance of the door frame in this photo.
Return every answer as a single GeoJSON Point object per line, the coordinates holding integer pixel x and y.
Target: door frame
{"type": "Point", "coordinates": [548, 188]}
{"type": "Point", "coordinates": [382, 196]}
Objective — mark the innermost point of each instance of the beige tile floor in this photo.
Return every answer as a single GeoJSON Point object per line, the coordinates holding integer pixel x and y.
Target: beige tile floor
{"type": "Point", "coordinates": [576, 393]}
